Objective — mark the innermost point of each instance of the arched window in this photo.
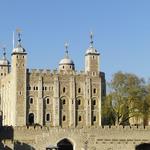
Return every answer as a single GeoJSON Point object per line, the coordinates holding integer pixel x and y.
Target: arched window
{"type": "Point", "coordinates": [31, 100]}
{"type": "Point", "coordinates": [94, 90]}
{"type": "Point", "coordinates": [79, 102]}
{"type": "Point", "coordinates": [64, 118]}
{"type": "Point", "coordinates": [64, 90]}
{"type": "Point", "coordinates": [94, 118]}
{"type": "Point", "coordinates": [94, 102]}
{"type": "Point", "coordinates": [36, 88]}
{"type": "Point", "coordinates": [47, 117]}
{"type": "Point", "coordinates": [79, 90]}
{"type": "Point", "coordinates": [47, 100]}
{"type": "Point", "coordinates": [80, 118]}
{"type": "Point", "coordinates": [64, 101]}
{"type": "Point", "coordinates": [31, 119]}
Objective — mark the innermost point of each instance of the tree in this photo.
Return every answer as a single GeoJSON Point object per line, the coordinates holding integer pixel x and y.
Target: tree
{"type": "Point", "coordinates": [125, 98]}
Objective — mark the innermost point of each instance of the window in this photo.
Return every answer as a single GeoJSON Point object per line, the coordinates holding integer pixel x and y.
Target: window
{"type": "Point", "coordinates": [47, 100]}
{"type": "Point", "coordinates": [64, 118]}
{"type": "Point", "coordinates": [64, 101]}
{"type": "Point", "coordinates": [45, 88]}
{"type": "Point", "coordinates": [31, 100]}
{"type": "Point", "coordinates": [47, 117]}
{"type": "Point", "coordinates": [79, 102]}
{"type": "Point", "coordinates": [31, 119]}
{"type": "Point", "coordinates": [80, 118]}
{"type": "Point", "coordinates": [63, 67]}
{"type": "Point", "coordinates": [94, 118]}
{"type": "Point", "coordinates": [94, 90]}
{"type": "Point", "coordinates": [94, 102]}
{"type": "Point", "coordinates": [79, 90]}
{"type": "Point", "coordinates": [70, 67]}
{"type": "Point", "coordinates": [93, 57]}
{"type": "Point", "coordinates": [1, 74]}
{"type": "Point", "coordinates": [64, 90]}
{"type": "Point", "coordinates": [36, 88]}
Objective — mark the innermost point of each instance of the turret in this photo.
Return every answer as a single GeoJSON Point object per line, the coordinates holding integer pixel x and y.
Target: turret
{"type": "Point", "coordinates": [66, 64]}
{"type": "Point", "coordinates": [92, 59]}
{"type": "Point", "coordinates": [4, 65]}
{"type": "Point", "coordinates": [19, 83]}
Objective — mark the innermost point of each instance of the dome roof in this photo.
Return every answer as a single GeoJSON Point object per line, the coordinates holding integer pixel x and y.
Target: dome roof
{"type": "Point", "coordinates": [91, 50]}
{"type": "Point", "coordinates": [18, 49]}
{"type": "Point", "coordinates": [67, 61]}
{"type": "Point", "coordinates": [4, 62]}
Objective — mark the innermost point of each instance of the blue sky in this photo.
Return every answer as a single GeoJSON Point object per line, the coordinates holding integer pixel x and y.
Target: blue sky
{"type": "Point", "coordinates": [121, 32]}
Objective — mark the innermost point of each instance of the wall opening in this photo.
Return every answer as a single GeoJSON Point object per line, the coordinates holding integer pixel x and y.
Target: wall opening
{"type": "Point", "coordinates": [65, 144]}
{"type": "Point", "coordinates": [31, 119]}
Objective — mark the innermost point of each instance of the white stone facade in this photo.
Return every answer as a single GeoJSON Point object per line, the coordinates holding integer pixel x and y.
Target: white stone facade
{"type": "Point", "coordinates": [59, 98]}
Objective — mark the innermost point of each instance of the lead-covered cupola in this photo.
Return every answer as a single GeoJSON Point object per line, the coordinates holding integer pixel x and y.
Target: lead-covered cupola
{"type": "Point", "coordinates": [19, 48]}
{"type": "Point", "coordinates": [4, 64]}
{"type": "Point", "coordinates": [92, 63]}
{"type": "Point", "coordinates": [66, 63]}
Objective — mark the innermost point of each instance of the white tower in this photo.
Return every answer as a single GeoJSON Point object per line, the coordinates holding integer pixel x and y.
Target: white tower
{"type": "Point", "coordinates": [92, 59]}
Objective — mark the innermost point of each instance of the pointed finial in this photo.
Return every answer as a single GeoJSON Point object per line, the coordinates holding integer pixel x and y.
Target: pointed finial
{"type": "Point", "coordinates": [91, 39]}
{"type": "Point", "coordinates": [18, 31]}
{"type": "Point", "coordinates": [4, 52]}
{"type": "Point", "coordinates": [66, 49]}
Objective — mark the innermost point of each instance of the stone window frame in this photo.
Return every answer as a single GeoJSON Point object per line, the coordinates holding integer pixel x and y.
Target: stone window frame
{"type": "Point", "coordinates": [48, 117]}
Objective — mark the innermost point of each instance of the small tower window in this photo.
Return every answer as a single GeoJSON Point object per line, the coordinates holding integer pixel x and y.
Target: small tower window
{"type": "Point", "coordinates": [93, 57]}
{"type": "Point", "coordinates": [64, 118]}
{"type": "Point", "coordinates": [31, 119]}
{"type": "Point", "coordinates": [47, 100]}
{"type": "Point", "coordinates": [63, 67]}
{"type": "Point", "coordinates": [36, 88]}
{"type": "Point", "coordinates": [79, 102]}
{"type": "Point", "coordinates": [94, 118]}
{"type": "Point", "coordinates": [94, 90]}
{"type": "Point", "coordinates": [64, 90]}
{"type": "Point", "coordinates": [79, 90]}
{"type": "Point", "coordinates": [64, 101]}
{"type": "Point", "coordinates": [45, 88]}
{"type": "Point", "coordinates": [47, 117]}
{"type": "Point", "coordinates": [94, 102]}
{"type": "Point", "coordinates": [1, 74]}
{"type": "Point", "coordinates": [70, 67]}
{"type": "Point", "coordinates": [80, 118]}
{"type": "Point", "coordinates": [31, 100]}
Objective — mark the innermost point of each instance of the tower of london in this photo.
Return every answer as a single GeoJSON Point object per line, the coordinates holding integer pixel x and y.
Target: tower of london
{"type": "Point", "coordinates": [58, 109]}
{"type": "Point", "coordinates": [62, 97]}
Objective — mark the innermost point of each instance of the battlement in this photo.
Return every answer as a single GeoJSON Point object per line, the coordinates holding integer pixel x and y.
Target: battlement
{"type": "Point", "coordinates": [111, 128]}
{"type": "Point", "coordinates": [54, 72]}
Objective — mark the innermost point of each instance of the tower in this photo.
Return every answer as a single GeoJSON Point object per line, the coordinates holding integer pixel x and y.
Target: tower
{"type": "Point", "coordinates": [66, 64]}
{"type": "Point", "coordinates": [92, 59]}
{"type": "Point", "coordinates": [19, 83]}
{"type": "Point", "coordinates": [4, 64]}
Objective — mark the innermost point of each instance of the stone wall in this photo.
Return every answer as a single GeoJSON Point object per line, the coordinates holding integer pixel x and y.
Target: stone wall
{"type": "Point", "coordinates": [101, 138]}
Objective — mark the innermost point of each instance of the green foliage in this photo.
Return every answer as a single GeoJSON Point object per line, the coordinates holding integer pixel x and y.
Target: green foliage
{"type": "Point", "coordinates": [127, 98]}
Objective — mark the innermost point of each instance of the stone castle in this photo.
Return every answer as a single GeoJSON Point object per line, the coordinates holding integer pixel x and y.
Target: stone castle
{"type": "Point", "coordinates": [59, 109]}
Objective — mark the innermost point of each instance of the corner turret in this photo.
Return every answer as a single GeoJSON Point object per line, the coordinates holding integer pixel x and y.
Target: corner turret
{"type": "Point", "coordinates": [92, 59]}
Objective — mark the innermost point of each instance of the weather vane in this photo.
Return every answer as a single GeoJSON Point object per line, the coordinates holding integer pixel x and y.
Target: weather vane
{"type": "Point", "coordinates": [18, 31]}
{"type": "Point", "coordinates": [91, 37]}
{"type": "Point", "coordinates": [66, 47]}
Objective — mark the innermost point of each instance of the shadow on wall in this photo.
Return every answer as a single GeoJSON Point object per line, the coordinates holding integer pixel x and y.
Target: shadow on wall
{"type": "Point", "coordinates": [3, 147]}
{"type": "Point", "coordinates": [22, 146]}
{"type": "Point", "coordinates": [144, 146]}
